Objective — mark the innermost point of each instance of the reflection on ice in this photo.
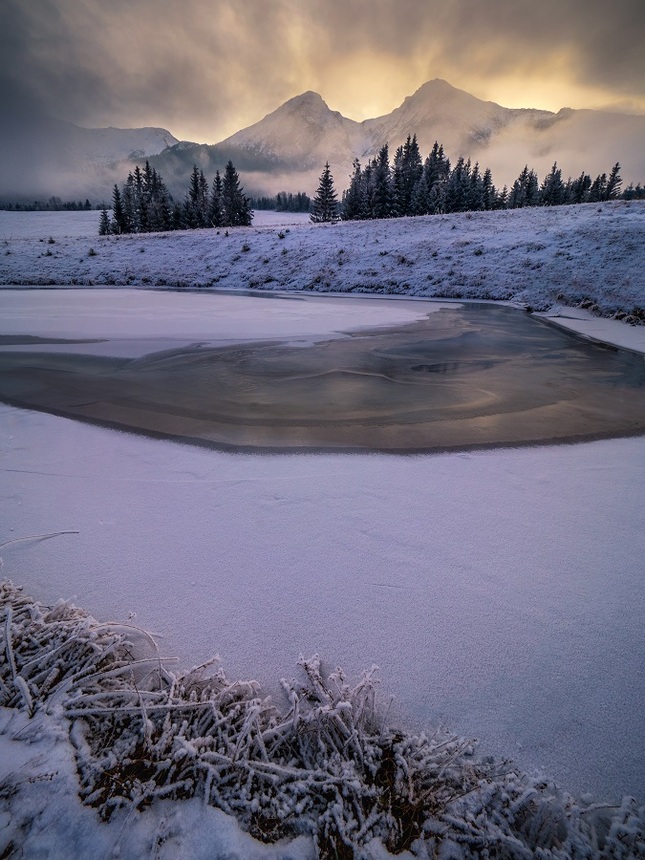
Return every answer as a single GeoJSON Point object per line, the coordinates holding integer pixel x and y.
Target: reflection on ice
{"type": "Point", "coordinates": [463, 376]}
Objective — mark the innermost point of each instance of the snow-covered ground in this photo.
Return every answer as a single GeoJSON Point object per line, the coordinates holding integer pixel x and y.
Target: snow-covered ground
{"type": "Point", "coordinates": [538, 256]}
{"type": "Point", "coordinates": [501, 592]}
{"type": "Point", "coordinates": [85, 225]}
{"type": "Point", "coordinates": [42, 225]}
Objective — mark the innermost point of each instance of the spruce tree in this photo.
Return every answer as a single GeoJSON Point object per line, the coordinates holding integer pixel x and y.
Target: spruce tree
{"type": "Point", "coordinates": [613, 183]}
{"type": "Point", "coordinates": [104, 223]}
{"type": "Point", "coordinates": [407, 170]}
{"type": "Point", "coordinates": [351, 205]}
{"type": "Point", "coordinates": [598, 189]}
{"type": "Point", "coordinates": [235, 206]}
{"type": "Point", "coordinates": [130, 224]}
{"type": "Point", "coordinates": [489, 192]}
{"type": "Point", "coordinates": [366, 205]}
{"type": "Point", "coordinates": [458, 187]}
{"type": "Point", "coordinates": [476, 190]}
{"type": "Point", "coordinates": [215, 211]}
{"type": "Point", "coordinates": [196, 204]}
{"type": "Point", "coordinates": [325, 203]}
{"type": "Point", "coordinates": [383, 201]}
{"type": "Point", "coordinates": [118, 222]}
{"type": "Point", "coordinates": [578, 189]}
{"type": "Point", "coordinates": [525, 190]}
{"type": "Point", "coordinates": [553, 191]}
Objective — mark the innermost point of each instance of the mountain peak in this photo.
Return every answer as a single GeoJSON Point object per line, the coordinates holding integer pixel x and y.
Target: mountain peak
{"type": "Point", "coordinates": [307, 99]}
{"type": "Point", "coordinates": [439, 90]}
{"type": "Point", "coordinates": [436, 85]}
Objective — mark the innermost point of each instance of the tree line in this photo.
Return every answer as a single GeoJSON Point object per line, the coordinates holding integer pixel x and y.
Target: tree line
{"type": "Point", "coordinates": [283, 202]}
{"type": "Point", "coordinates": [53, 204]}
{"type": "Point", "coordinates": [410, 185]}
{"type": "Point", "coordinates": [144, 204]}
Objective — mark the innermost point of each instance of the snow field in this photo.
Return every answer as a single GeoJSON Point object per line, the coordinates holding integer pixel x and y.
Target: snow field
{"type": "Point", "coordinates": [328, 768]}
{"type": "Point", "coordinates": [537, 256]}
{"type": "Point", "coordinates": [500, 592]}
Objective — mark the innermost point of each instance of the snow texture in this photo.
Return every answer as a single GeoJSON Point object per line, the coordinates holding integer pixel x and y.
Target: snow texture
{"type": "Point", "coordinates": [501, 592]}
{"type": "Point", "coordinates": [328, 767]}
{"type": "Point", "coordinates": [539, 257]}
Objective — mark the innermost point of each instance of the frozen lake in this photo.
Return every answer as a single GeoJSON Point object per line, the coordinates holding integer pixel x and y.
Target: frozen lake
{"type": "Point", "coordinates": [501, 592]}
{"type": "Point", "coordinates": [461, 376]}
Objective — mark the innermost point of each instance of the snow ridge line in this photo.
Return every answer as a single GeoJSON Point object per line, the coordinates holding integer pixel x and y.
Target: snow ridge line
{"type": "Point", "coordinates": [328, 767]}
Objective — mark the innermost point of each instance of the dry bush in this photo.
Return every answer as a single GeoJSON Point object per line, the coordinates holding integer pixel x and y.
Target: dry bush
{"type": "Point", "coordinates": [325, 766]}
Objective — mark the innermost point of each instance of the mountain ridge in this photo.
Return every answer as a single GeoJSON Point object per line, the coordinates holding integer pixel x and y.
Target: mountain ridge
{"type": "Point", "coordinates": [288, 147]}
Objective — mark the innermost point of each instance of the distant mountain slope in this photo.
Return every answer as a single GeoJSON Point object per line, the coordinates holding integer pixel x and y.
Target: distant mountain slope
{"type": "Point", "coordinates": [41, 156]}
{"type": "Point", "coordinates": [286, 150]}
{"type": "Point", "coordinates": [300, 132]}
{"type": "Point", "coordinates": [439, 111]}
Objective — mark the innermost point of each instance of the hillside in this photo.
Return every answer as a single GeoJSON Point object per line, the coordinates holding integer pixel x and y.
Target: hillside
{"type": "Point", "coordinates": [537, 256]}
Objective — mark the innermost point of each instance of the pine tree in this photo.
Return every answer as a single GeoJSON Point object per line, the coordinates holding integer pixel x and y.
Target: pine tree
{"type": "Point", "coordinates": [613, 183]}
{"type": "Point", "coordinates": [525, 191]}
{"type": "Point", "coordinates": [235, 206]}
{"type": "Point", "coordinates": [489, 192]}
{"type": "Point", "coordinates": [578, 189]}
{"type": "Point", "coordinates": [598, 189]}
{"type": "Point", "coordinates": [104, 223]}
{"type": "Point", "coordinates": [118, 222]}
{"type": "Point", "coordinates": [325, 203]}
{"type": "Point", "coordinates": [458, 190]}
{"type": "Point", "coordinates": [366, 200]}
{"type": "Point", "coordinates": [553, 191]}
{"type": "Point", "coordinates": [383, 197]}
{"type": "Point", "coordinates": [196, 203]}
{"type": "Point", "coordinates": [215, 210]}
{"type": "Point", "coordinates": [351, 205]}
{"type": "Point", "coordinates": [476, 190]}
{"type": "Point", "coordinates": [130, 224]}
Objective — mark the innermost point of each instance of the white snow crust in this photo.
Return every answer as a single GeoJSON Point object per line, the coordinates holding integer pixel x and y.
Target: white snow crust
{"type": "Point", "coordinates": [500, 592]}
{"type": "Point", "coordinates": [540, 257]}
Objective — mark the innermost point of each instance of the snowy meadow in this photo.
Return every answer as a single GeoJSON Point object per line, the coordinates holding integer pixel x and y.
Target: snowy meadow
{"type": "Point", "coordinates": [500, 592]}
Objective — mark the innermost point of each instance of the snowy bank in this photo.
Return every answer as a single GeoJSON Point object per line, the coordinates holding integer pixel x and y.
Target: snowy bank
{"type": "Point", "coordinates": [537, 257]}
{"type": "Point", "coordinates": [500, 592]}
{"type": "Point", "coordinates": [328, 768]}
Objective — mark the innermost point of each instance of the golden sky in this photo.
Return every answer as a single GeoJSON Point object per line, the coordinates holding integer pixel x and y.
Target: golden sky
{"type": "Point", "coordinates": [205, 68]}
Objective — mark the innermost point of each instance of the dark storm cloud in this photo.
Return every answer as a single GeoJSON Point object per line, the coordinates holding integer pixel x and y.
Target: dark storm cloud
{"type": "Point", "coordinates": [207, 67]}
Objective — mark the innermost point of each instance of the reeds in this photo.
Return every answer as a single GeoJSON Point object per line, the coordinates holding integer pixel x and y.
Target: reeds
{"type": "Point", "coordinates": [326, 765]}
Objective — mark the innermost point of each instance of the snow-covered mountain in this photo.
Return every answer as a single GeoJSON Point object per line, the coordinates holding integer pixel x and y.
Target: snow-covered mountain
{"type": "Point", "coordinates": [300, 133]}
{"type": "Point", "coordinates": [42, 156]}
{"type": "Point", "coordinates": [286, 150]}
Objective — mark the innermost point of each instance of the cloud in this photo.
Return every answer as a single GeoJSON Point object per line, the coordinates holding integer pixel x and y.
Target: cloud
{"type": "Point", "coordinates": [205, 68]}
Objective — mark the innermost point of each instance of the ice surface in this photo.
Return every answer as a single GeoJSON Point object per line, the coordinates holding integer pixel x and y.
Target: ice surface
{"type": "Point", "coordinates": [501, 591]}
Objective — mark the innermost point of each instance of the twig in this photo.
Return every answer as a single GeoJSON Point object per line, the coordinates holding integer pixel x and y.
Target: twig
{"type": "Point", "coordinates": [38, 537]}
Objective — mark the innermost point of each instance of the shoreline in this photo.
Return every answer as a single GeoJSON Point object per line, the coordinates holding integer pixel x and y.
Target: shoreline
{"type": "Point", "coordinates": [453, 380]}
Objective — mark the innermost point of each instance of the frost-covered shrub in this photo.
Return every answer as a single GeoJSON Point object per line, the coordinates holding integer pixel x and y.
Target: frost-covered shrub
{"type": "Point", "coordinates": [327, 765]}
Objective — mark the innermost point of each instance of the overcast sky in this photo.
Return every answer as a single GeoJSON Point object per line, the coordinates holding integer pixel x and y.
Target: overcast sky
{"type": "Point", "coordinates": [205, 68]}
